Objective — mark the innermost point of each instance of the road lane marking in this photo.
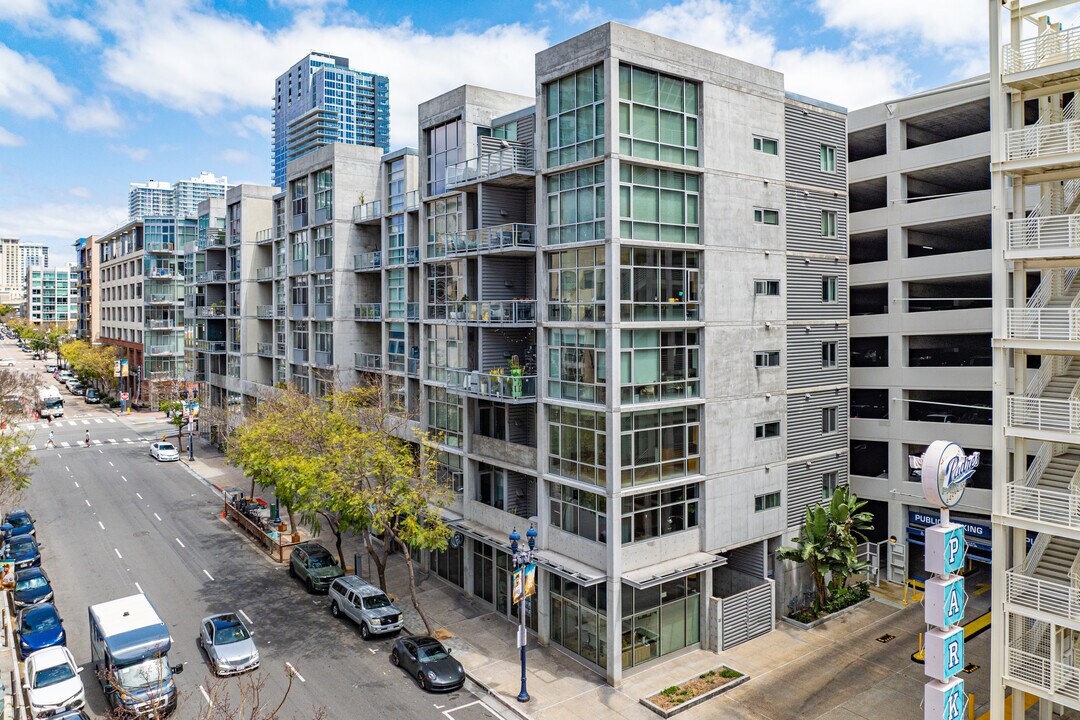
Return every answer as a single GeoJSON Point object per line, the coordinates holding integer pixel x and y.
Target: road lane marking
{"type": "Point", "coordinates": [110, 464]}
{"type": "Point", "coordinates": [112, 441]}
{"type": "Point", "coordinates": [87, 501]}
{"type": "Point", "coordinates": [76, 483]}
{"type": "Point", "coordinates": [97, 442]}
{"type": "Point", "coordinates": [115, 550]}
{"type": "Point", "coordinates": [125, 440]}
{"type": "Point", "coordinates": [182, 545]}
{"type": "Point", "coordinates": [67, 468]}
{"type": "Point", "coordinates": [137, 494]}
{"type": "Point", "coordinates": [203, 691]}
{"type": "Point", "coordinates": [208, 574]}
{"type": "Point", "coordinates": [100, 525]}
{"type": "Point", "coordinates": [65, 444]}
{"type": "Point", "coordinates": [101, 451]}
{"type": "Point", "coordinates": [125, 480]}
{"type": "Point", "coordinates": [293, 670]}
{"type": "Point", "coordinates": [138, 587]}
{"type": "Point", "coordinates": [85, 422]}
{"type": "Point", "coordinates": [97, 420]}
{"type": "Point", "coordinates": [156, 515]}
{"type": "Point", "coordinates": [245, 616]}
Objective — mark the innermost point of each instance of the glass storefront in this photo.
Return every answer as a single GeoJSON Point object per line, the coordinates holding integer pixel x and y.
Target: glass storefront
{"type": "Point", "coordinates": [660, 619]}
{"type": "Point", "coordinates": [579, 618]}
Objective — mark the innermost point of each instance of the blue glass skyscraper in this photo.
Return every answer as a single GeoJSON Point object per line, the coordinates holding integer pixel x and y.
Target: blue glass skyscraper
{"type": "Point", "coordinates": [321, 100]}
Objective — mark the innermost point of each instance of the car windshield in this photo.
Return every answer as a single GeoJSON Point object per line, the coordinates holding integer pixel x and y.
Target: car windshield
{"type": "Point", "coordinates": [18, 521]}
{"type": "Point", "coordinates": [229, 634]}
{"type": "Point", "coordinates": [31, 583]}
{"type": "Point", "coordinates": [145, 674]}
{"type": "Point", "coordinates": [432, 652]}
{"type": "Point", "coordinates": [322, 561]}
{"type": "Point", "coordinates": [376, 601]}
{"type": "Point", "coordinates": [53, 675]}
{"type": "Point", "coordinates": [165, 446]}
{"type": "Point", "coordinates": [40, 622]}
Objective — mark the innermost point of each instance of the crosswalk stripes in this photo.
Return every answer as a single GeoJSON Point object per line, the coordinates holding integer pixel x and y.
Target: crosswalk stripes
{"type": "Point", "coordinates": [85, 422]}
{"type": "Point", "coordinates": [111, 441]}
{"type": "Point", "coordinates": [63, 423]}
{"type": "Point", "coordinates": [98, 420]}
{"type": "Point", "coordinates": [65, 444]}
{"type": "Point", "coordinates": [97, 442]}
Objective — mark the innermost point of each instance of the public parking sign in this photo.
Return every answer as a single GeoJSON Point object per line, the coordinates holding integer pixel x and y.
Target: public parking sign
{"type": "Point", "coordinates": [944, 653]}
{"type": "Point", "coordinates": [943, 602]}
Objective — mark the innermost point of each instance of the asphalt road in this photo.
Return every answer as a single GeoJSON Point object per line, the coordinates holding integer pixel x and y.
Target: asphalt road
{"type": "Point", "coordinates": [113, 522]}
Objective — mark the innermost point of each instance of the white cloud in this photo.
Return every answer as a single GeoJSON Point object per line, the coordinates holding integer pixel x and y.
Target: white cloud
{"type": "Point", "coordinates": [59, 221]}
{"type": "Point", "coordinates": [233, 155]}
{"type": "Point", "coordinates": [581, 13]}
{"type": "Point", "coordinates": [29, 88]}
{"type": "Point", "coordinates": [154, 42]}
{"type": "Point", "coordinates": [94, 114]}
{"type": "Point", "coordinates": [24, 9]}
{"type": "Point", "coordinates": [853, 77]}
{"type": "Point", "coordinates": [137, 154]}
{"type": "Point", "coordinates": [952, 22]}
{"type": "Point", "coordinates": [79, 191]}
{"type": "Point", "coordinates": [10, 139]}
{"type": "Point", "coordinates": [35, 16]}
{"type": "Point", "coordinates": [257, 124]}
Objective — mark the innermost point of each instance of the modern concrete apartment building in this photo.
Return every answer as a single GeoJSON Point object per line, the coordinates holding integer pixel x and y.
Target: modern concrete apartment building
{"type": "Point", "coordinates": [88, 326]}
{"type": "Point", "coordinates": [179, 199]}
{"type": "Point", "coordinates": [16, 257]}
{"type": "Point", "coordinates": [920, 310]}
{"type": "Point", "coordinates": [51, 296]}
{"type": "Point", "coordinates": [1034, 77]}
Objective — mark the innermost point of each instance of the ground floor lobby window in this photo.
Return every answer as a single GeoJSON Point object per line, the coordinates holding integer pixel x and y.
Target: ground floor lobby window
{"type": "Point", "coordinates": [579, 618]}
{"type": "Point", "coordinates": [660, 619]}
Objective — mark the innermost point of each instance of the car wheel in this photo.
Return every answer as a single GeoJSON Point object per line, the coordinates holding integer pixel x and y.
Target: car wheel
{"type": "Point", "coordinates": [394, 659]}
{"type": "Point", "coordinates": [292, 571]}
{"type": "Point", "coordinates": [364, 631]}
{"type": "Point", "coordinates": [311, 586]}
{"type": "Point", "coordinates": [421, 681]}
{"type": "Point", "coordinates": [334, 609]}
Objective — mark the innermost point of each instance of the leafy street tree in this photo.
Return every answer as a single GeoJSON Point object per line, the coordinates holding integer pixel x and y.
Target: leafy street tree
{"type": "Point", "coordinates": [92, 363]}
{"type": "Point", "coordinates": [16, 458]}
{"type": "Point", "coordinates": [6, 311]}
{"type": "Point", "coordinates": [828, 542]}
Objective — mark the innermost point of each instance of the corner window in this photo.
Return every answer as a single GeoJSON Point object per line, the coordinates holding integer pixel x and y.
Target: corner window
{"type": "Point", "coordinates": [769, 146]}
{"type": "Point", "coordinates": [767, 358]}
{"type": "Point", "coordinates": [828, 159]}
{"type": "Point", "coordinates": [828, 420]}
{"type": "Point", "coordinates": [828, 223]}
{"type": "Point", "coordinates": [828, 354]}
{"type": "Point", "coordinates": [765, 216]}
{"type": "Point", "coordinates": [767, 501]}
{"type": "Point", "coordinates": [829, 289]}
{"type": "Point", "coordinates": [763, 431]}
{"type": "Point", "coordinates": [767, 287]}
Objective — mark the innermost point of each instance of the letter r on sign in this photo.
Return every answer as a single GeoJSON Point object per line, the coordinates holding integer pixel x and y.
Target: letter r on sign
{"type": "Point", "coordinates": [954, 653]}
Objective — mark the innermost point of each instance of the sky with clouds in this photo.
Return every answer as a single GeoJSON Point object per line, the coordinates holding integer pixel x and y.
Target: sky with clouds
{"type": "Point", "coordinates": [95, 94]}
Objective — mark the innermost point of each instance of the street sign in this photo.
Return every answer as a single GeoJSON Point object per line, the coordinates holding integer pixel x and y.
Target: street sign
{"type": "Point", "coordinates": [944, 601]}
{"type": "Point", "coordinates": [944, 548]}
{"type": "Point", "coordinates": [944, 653]}
{"type": "Point", "coordinates": [124, 396]}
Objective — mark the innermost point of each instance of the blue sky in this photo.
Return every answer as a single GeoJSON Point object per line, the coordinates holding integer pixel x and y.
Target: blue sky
{"type": "Point", "coordinates": [95, 94]}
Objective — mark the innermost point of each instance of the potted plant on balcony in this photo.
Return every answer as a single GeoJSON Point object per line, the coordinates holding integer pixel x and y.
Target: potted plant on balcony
{"type": "Point", "coordinates": [495, 376]}
{"type": "Point", "coordinates": [517, 381]}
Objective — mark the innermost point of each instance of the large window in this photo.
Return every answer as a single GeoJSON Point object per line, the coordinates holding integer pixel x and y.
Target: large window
{"type": "Point", "coordinates": [444, 415]}
{"type": "Point", "coordinates": [396, 238]}
{"type": "Point", "coordinates": [395, 185]}
{"type": "Point", "coordinates": [578, 512]}
{"type": "Point", "coordinates": [577, 365]}
{"type": "Point", "coordinates": [324, 244]}
{"type": "Point", "coordinates": [443, 219]}
{"type": "Point", "coordinates": [579, 618]}
{"type": "Point", "coordinates": [659, 365]}
{"type": "Point", "coordinates": [395, 293]}
{"type": "Point", "coordinates": [658, 116]}
{"type": "Point", "coordinates": [658, 284]}
{"type": "Point", "coordinates": [445, 349]}
{"type": "Point", "coordinates": [299, 196]}
{"type": "Point", "coordinates": [575, 117]}
{"type": "Point", "coordinates": [445, 144]}
{"type": "Point", "coordinates": [649, 515]}
{"type": "Point", "coordinates": [576, 205]}
{"type": "Point", "coordinates": [658, 204]}
{"type": "Point", "coordinates": [660, 619]}
{"type": "Point", "coordinates": [576, 444]}
{"type": "Point", "coordinates": [659, 445]}
{"type": "Point", "coordinates": [445, 288]}
{"type": "Point", "coordinates": [576, 285]}
{"type": "Point", "coordinates": [324, 190]}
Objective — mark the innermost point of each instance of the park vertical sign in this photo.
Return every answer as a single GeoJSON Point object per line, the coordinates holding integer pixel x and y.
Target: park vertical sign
{"type": "Point", "coordinates": [945, 472]}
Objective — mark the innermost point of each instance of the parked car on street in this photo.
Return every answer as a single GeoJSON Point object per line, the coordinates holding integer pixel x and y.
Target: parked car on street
{"type": "Point", "coordinates": [64, 375]}
{"type": "Point", "coordinates": [21, 523]}
{"type": "Point", "coordinates": [39, 626]}
{"type": "Point", "coordinates": [7, 362]}
{"type": "Point", "coordinates": [92, 397]}
{"type": "Point", "coordinates": [23, 551]}
{"type": "Point", "coordinates": [228, 644]}
{"type": "Point", "coordinates": [164, 452]}
{"type": "Point", "coordinates": [314, 565]}
{"type": "Point", "coordinates": [365, 604]}
{"type": "Point", "coordinates": [32, 586]}
{"type": "Point", "coordinates": [53, 684]}
{"type": "Point", "coordinates": [75, 387]}
{"type": "Point", "coordinates": [428, 661]}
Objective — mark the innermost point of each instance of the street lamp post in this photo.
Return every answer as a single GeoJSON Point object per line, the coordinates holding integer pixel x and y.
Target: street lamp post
{"type": "Point", "coordinates": [522, 557]}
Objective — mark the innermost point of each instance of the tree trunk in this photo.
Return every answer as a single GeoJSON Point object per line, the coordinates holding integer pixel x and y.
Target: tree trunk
{"type": "Point", "coordinates": [380, 563]}
{"type": "Point", "coordinates": [292, 522]}
{"type": "Point", "coordinates": [407, 551]}
{"type": "Point", "coordinates": [820, 586]}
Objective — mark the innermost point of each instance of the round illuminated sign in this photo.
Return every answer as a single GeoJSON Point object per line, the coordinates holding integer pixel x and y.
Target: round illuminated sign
{"type": "Point", "coordinates": [945, 472]}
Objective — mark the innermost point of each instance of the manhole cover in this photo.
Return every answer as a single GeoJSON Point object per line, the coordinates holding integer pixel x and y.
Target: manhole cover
{"type": "Point", "coordinates": [886, 638]}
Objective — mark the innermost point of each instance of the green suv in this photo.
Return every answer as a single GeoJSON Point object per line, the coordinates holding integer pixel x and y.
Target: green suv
{"type": "Point", "coordinates": [314, 564]}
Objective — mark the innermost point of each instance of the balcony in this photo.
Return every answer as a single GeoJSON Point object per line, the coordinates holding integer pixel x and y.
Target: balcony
{"type": "Point", "coordinates": [264, 350]}
{"type": "Point", "coordinates": [157, 273]}
{"type": "Point", "coordinates": [1050, 48]}
{"type": "Point", "coordinates": [412, 311]}
{"type": "Point", "coordinates": [1042, 505]}
{"type": "Point", "coordinates": [280, 270]}
{"type": "Point", "coordinates": [367, 362]}
{"type": "Point", "coordinates": [368, 312]}
{"type": "Point", "coordinates": [163, 324]}
{"type": "Point", "coordinates": [514, 165]}
{"type": "Point", "coordinates": [1038, 236]}
{"type": "Point", "coordinates": [213, 239]}
{"type": "Point", "coordinates": [484, 384]}
{"type": "Point", "coordinates": [264, 236]}
{"type": "Point", "coordinates": [1054, 323]}
{"type": "Point", "coordinates": [1043, 141]}
{"type": "Point", "coordinates": [210, 276]}
{"type": "Point", "coordinates": [511, 239]}
{"type": "Point", "coordinates": [1041, 594]}
{"type": "Point", "coordinates": [210, 311]}
{"type": "Point", "coordinates": [264, 273]}
{"type": "Point", "coordinates": [298, 312]}
{"type": "Point", "coordinates": [234, 276]}
{"type": "Point", "coordinates": [299, 355]}
{"type": "Point", "coordinates": [161, 299]}
{"type": "Point", "coordinates": [323, 359]}
{"type": "Point", "coordinates": [216, 347]}
{"type": "Point", "coordinates": [412, 200]}
{"type": "Point", "coordinates": [1044, 414]}
{"type": "Point", "coordinates": [368, 212]}
{"type": "Point", "coordinates": [366, 262]}
{"type": "Point", "coordinates": [160, 246]}
{"type": "Point", "coordinates": [161, 350]}
{"type": "Point", "coordinates": [497, 312]}
{"type": "Point", "coordinates": [412, 367]}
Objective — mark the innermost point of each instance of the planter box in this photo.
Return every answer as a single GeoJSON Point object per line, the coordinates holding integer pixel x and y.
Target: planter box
{"type": "Point", "coordinates": [693, 702]}
{"type": "Point", "coordinates": [822, 620]}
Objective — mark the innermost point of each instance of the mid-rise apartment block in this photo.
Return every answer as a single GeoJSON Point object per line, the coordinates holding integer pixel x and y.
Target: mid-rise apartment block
{"type": "Point", "coordinates": [921, 319]}
{"type": "Point", "coordinates": [88, 326]}
{"type": "Point", "coordinates": [622, 308]}
{"type": "Point", "coordinates": [16, 257]}
{"type": "Point", "coordinates": [51, 296]}
{"type": "Point", "coordinates": [180, 199]}
{"type": "Point", "coordinates": [321, 100]}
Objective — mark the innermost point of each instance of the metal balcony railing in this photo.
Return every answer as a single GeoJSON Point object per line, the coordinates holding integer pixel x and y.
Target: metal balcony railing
{"type": "Point", "coordinates": [234, 275]}
{"type": "Point", "coordinates": [412, 311]}
{"type": "Point", "coordinates": [264, 236]}
{"type": "Point", "coordinates": [213, 239]}
{"type": "Point", "coordinates": [160, 246]}
{"type": "Point", "coordinates": [368, 311]}
{"type": "Point", "coordinates": [1040, 594]}
{"type": "Point", "coordinates": [264, 349]}
{"type": "Point", "coordinates": [367, 211]}
{"type": "Point", "coordinates": [299, 355]}
{"type": "Point", "coordinates": [264, 311]}
{"type": "Point", "coordinates": [484, 384]}
{"type": "Point", "coordinates": [1043, 505]}
{"type": "Point", "coordinates": [264, 273]}
{"type": "Point", "coordinates": [1053, 676]}
{"type": "Point", "coordinates": [1036, 413]}
{"type": "Point", "coordinates": [210, 346]}
{"type": "Point", "coordinates": [210, 276]}
{"type": "Point", "coordinates": [211, 311]}
{"type": "Point", "coordinates": [234, 346]}
{"type": "Point", "coordinates": [367, 362]}
{"type": "Point", "coordinates": [412, 367]}
{"type": "Point", "coordinates": [1050, 48]}
{"type": "Point", "coordinates": [367, 261]}
{"type": "Point", "coordinates": [495, 312]}
{"type": "Point", "coordinates": [512, 236]}
{"type": "Point", "coordinates": [1043, 140]}
{"type": "Point", "coordinates": [412, 200]}
{"type": "Point", "coordinates": [159, 350]}
{"type": "Point", "coordinates": [508, 161]}
{"type": "Point", "coordinates": [163, 272]}
{"type": "Point", "coordinates": [1054, 232]}
{"type": "Point", "coordinates": [161, 298]}
{"type": "Point", "coordinates": [1058, 323]}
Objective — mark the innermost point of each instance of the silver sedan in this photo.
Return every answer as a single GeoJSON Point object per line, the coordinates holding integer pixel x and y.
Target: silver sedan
{"type": "Point", "coordinates": [228, 644]}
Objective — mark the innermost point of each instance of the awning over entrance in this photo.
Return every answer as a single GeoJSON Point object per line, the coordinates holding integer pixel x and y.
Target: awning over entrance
{"type": "Point", "coordinates": [569, 568]}
{"type": "Point", "coordinates": [672, 569]}
{"type": "Point", "coordinates": [481, 532]}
